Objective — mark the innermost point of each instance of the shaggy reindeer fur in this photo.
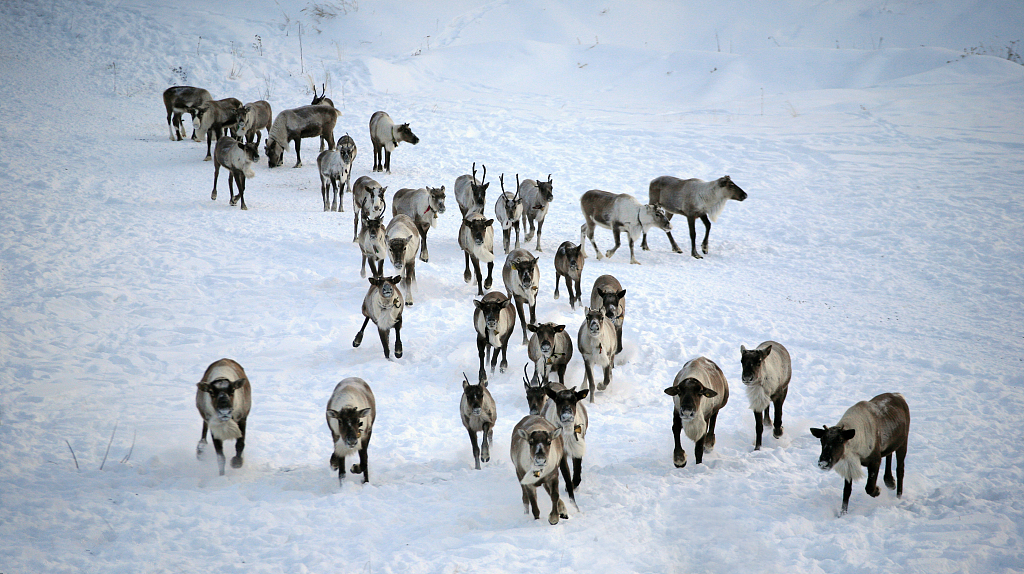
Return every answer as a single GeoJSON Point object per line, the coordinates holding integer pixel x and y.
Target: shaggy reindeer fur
{"type": "Point", "coordinates": [367, 199]}
{"type": "Point", "coordinates": [403, 242]}
{"type": "Point", "coordinates": [618, 212]}
{"type": "Point", "coordinates": [385, 136]}
{"type": "Point", "coordinates": [536, 195]}
{"type": "Point", "coordinates": [569, 264]}
{"type": "Point", "coordinates": [478, 412]}
{"type": "Point", "coordinates": [237, 157]}
{"type": "Point", "coordinates": [596, 344]}
{"type": "Point", "coordinates": [470, 193]}
{"type": "Point", "coordinates": [476, 238]}
{"type": "Point", "coordinates": [423, 205]}
{"type": "Point", "coordinates": [521, 275]}
{"type": "Point", "coordinates": [382, 304]}
{"type": "Point", "coordinates": [180, 100]}
{"type": "Point", "coordinates": [252, 118]}
{"type": "Point", "coordinates": [295, 124]}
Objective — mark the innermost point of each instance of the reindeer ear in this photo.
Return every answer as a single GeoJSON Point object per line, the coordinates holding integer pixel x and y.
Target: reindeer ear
{"type": "Point", "coordinates": [478, 304]}
{"type": "Point", "coordinates": [743, 349]}
{"type": "Point", "coordinates": [333, 414]}
{"type": "Point", "coordinates": [532, 328]}
{"type": "Point", "coordinates": [767, 350]}
{"type": "Point", "coordinates": [396, 279]}
{"type": "Point", "coordinates": [559, 328]}
{"type": "Point", "coordinates": [621, 294]}
{"type": "Point", "coordinates": [465, 383]}
{"type": "Point", "coordinates": [709, 393]}
{"type": "Point", "coordinates": [671, 391]}
{"type": "Point", "coordinates": [557, 433]}
{"type": "Point", "coordinates": [522, 434]}
{"type": "Point", "coordinates": [847, 434]}
{"type": "Point", "coordinates": [203, 387]}
{"type": "Point", "coordinates": [818, 433]}
{"type": "Point", "coordinates": [489, 222]}
{"type": "Point", "coordinates": [365, 412]}
{"type": "Point", "coordinates": [235, 385]}
{"type": "Point", "coordinates": [582, 394]}
{"type": "Point", "coordinates": [375, 281]}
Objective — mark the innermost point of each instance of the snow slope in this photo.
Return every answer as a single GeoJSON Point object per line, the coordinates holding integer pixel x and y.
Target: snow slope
{"type": "Point", "coordinates": [881, 242]}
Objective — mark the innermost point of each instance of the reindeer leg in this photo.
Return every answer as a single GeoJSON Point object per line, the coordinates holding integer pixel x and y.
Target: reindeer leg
{"type": "Point", "coordinates": [487, 436]}
{"type": "Point", "coordinates": [488, 282]}
{"type": "Point", "coordinates": [359, 336]}
{"type": "Point", "coordinates": [481, 345]}
{"type": "Point", "coordinates": [890, 483]}
{"type": "Point", "coordinates": [578, 294]}
{"type": "Point", "coordinates": [236, 461]}
{"type": "Point", "coordinates": [216, 175]}
{"type": "Point", "coordinates": [690, 220]}
{"type": "Point", "coordinates": [516, 226]}
{"type": "Point", "coordinates": [476, 449]}
{"type": "Point", "coordinates": [589, 378]}
{"type": "Point", "coordinates": [364, 463]}
{"type": "Point", "coordinates": [872, 485]}
{"type": "Point", "coordinates": [298, 153]}
{"type": "Point", "coordinates": [504, 359]}
{"type": "Point", "coordinates": [557, 506]}
{"type": "Point", "coordinates": [632, 257]}
{"type": "Point", "coordinates": [398, 339]}
{"type": "Point", "coordinates": [232, 201]}
{"type": "Point", "coordinates": [847, 491]}
{"type": "Point", "coordinates": [901, 455]}
{"type": "Point", "coordinates": [558, 279]}
{"type": "Point", "coordinates": [479, 278]}
{"type": "Point", "coordinates": [758, 429]}
{"type": "Point", "coordinates": [777, 430]}
{"type": "Point", "coordinates": [707, 231]}
{"type": "Point", "coordinates": [466, 275]}
{"type": "Point", "coordinates": [241, 191]}
{"type": "Point", "coordinates": [678, 454]}
{"type": "Point", "coordinates": [385, 341]}
{"type": "Point", "coordinates": [387, 161]}
{"type": "Point", "coordinates": [615, 232]}
{"type": "Point", "coordinates": [218, 445]}
{"type": "Point", "coordinates": [522, 319]}
{"type": "Point", "coordinates": [201, 445]}
{"type": "Point", "coordinates": [424, 254]}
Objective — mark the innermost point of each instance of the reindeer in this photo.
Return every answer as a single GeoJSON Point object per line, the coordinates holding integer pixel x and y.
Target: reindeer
{"type": "Point", "coordinates": [295, 124]}
{"type": "Point", "coordinates": [521, 275]}
{"type": "Point", "coordinates": [403, 242]}
{"type": "Point", "coordinates": [373, 245]}
{"type": "Point", "coordinates": [367, 199]}
{"type": "Point", "coordinates": [470, 193]}
{"type": "Point", "coordinates": [700, 391]}
{"type": "Point", "coordinates": [213, 120]}
{"type": "Point", "coordinates": [382, 304]}
{"type": "Point", "coordinates": [478, 413]}
{"type": "Point", "coordinates": [322, 100]}
{"type": "Point", "coordinates": [569, 264]}
{"type": "Point", "coordinates": [423, 205]}
{"type": "Point", "coordinates": [385, 136]}
{"type": "Point", "coordinates": [536, 391]}
{"type": "Point", "coordinates": [252, 118]}
{"type": "Point", "coordinates": [537, 195]}
{"type": "Point", "coordinates": [550, 348]}
{"type": "Point", "coordinates": [351, 411]}
{"type": "Point", "coordinates": [618, 212]}
{"type": "Point", "coordinates": [538, 456]}
{"type": "Point", "coordinates": [508, 210]}
{"type": "Point", "coordinates": [335, 166]}
{"type": "Point", "coordinates": [609, 295]}
{"type": "Point", "coordinates": [693, 198]}
{"type": "Point", "coordinates": [476, 238]}
{"type": "Point", "coordinates": [180, 100]}
{"type": "Point", "coordinates": [868, 431]}
{"type": "Point", "coordinates": [494, 319]}
{"type": "Point", "coordinates": [223, 399]}
{"type": "Point", "coordinates": [767, 370]}
{"type": "Point", "coordinates": [564, 409]}
{"type": "Point", "coordinates": [596, 344]}
{"type": "Point", "coordinates": [237, 157]}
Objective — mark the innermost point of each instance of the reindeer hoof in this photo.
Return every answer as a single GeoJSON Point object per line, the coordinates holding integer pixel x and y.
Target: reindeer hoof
{"type": "Point", "coordinates": [358, 340]}
{"type": "Point", "coordinates": [467, 276]}
{"type": "Point", "coordinates": [889, 483]}
{"type": "Point", "coordinates": [213, 196]}
{"type": "Point", "coordinates": [634, 262]}
{"type": "Point", "coordinates": [696, 255]}
{"type": "Point", "coordinates": [236, 461]}
{"type": "Point", "coordinates": [679, 458]}
{"type": "Point", "coordinates": [553, 518]}
{"type": "Point", "coordinates": [777, 433]}
{"type": "Point", "coordinates": [487, 283]}
{"type": "Point", "coordinates": [355, 469]}
{"type": "Point", "coordinates": [873, 493]}
{"type": "Point", "coordinates": [398, 351]}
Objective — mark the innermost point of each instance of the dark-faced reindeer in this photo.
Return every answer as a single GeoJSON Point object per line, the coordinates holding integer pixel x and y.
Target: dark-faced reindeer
{"type": "Point", "coordinates": [373, 245]}
{"type": "Point", "coordinates": [596, 344]}
{"type": "Point", "coordinates": [295, 124]}
{"type": "Point", "coordinates": [403, 242]}
{"type": "Point", "coordinates": [321, 100]}
{"type": "Point", "coordinates": [550, 348]}
{"type": "Point", "coordinates": [538, 456]}
{"type": "Point", "coordinates": [618, 212]}
{"type": "Point", "coordinates": [385, 136]}
{"type": "Point", "coordinates": [335, 167]}
{"type": "Point", "coordinates": [699, 391]}
{"type": "Point", "coordinates": [521, 275]}
{"type": "Point", "coordinates": [237, 158]}
{"type": "Point", "coordinates": [367, 199]}
{"type": "Point", "coordinates": [536, 391]}
{"type": "Point", "coordinates": [569, 264]}
{"type": "Point", "coordinates": [476, 238]}
{"type": "Point", "coordinates": [383, 304]}
{"type": "Point", "coordinates": [494, 318]}
{"type": "Point", "coordinates": [693, 198]}
{"type": "Point", "coordinates": [508, 210]}
{"type": "Point", "coordinates": [609, 296]}
{"type": "Point", "coordinates": [214, 119]}
{"type": "Point", "coordinates": [470, 193]}
{"type": "Point", "coordinates": [564, 409]}
{"type": "Point", "coordinates": [224, 398]}
{"type": "Point", "coordinates": [868, 431]}
{"type": "Point", "coordinates": [536, 196]}
{"type": "Point", "coordinates": [423, 205]}
{"type": "Point", "coordinates": [350, 415]}
{"type": "Point", "coordinates": [180, 100]}
{"type": "Point", "coordinates": [478, 413]}
{"type": "Point", "coordinates": [252, 118]}
{"type": "Point", "coordinates": [766, 373]}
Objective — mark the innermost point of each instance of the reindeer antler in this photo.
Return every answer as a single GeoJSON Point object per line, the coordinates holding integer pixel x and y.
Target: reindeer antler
{"type": "Point", "coordinates": [465, 377]}
{"type": "Point", "coordinates": [484, 176]}
{"type": "Point", "coordinates": [517, 186]}
{"type": "Point", "coordinates": [501, 180]}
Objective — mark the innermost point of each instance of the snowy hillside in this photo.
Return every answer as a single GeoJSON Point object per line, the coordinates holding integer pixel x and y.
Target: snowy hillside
{"type": "Point", "coordinates": [882, 242]}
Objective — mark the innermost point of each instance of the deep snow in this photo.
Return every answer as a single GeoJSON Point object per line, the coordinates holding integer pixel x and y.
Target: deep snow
{"type": "Point", "coordinates": [882, 243]}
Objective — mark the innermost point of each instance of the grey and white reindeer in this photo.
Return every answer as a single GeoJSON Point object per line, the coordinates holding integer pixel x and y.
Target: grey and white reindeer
{"type": "Point", "coordinates": [237, 158]}
{"type": "Point", "coordinates": [223, 399]}
{"type": "Point", "coordinates": [423, 205]}
{"type": "Point", "coordinates": [494, 318]}
{"type": "Point", "coordinates": [508, 210]}
{"type": "Point", "coordinates": [618, 212]}
{"type": "Point", "coordinates": [569, 262]}
{"type": "Point", "coordinates": [470, 193]}
{"type": "Point", "coordinates": [373, 245]}
{"type": "Point", "coordinates": [403, 239]}
{"type": "Point", "coordinates": [596, 343]}
{"type": "Point", "coordinates": [550, 349]}
{"type": "Point", "coordinates": [385, 136]}
{"type": "Point", "coordinates": [476, 238]}
{"type": "Point", "coordinates": [252, 118]}
{"type": "Point", "coordinates": [180, 100]}
{"type": "Point", "coordinates": [351, 411]}
{"type": "Point", "coordinates": [479, 413]}
{"type": "Point", "coordinates": [537, 196]}
{"type": "Point", "coordinates": [296, 124]}
{"type": "Point", "coordinates": [693, 198]}
{"type": "Point", "coordinates": [383, 304]}
{"type": "Point", "coordinates": [521, 275]}
{"type": "Point", "coordinates": [767, 370]}
{"type": "Point", "coordinates": [538, 455]}
{"type": "Point", "coordinates": [608, 295]}
{"type": "Point", "coordinates": [335, 167]}
{"type": "Point", "coordinates": [565, 409]}
{"type": "Point", "coordinates": [367, 199]}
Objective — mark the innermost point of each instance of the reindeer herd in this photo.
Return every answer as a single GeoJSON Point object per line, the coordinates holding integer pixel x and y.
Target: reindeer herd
{"type": "Point", "coordinates": [544, 442]}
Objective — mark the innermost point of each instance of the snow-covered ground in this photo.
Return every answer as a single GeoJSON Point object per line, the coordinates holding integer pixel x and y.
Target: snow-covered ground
{"type": "Point", "coordinates": [882, 242]}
